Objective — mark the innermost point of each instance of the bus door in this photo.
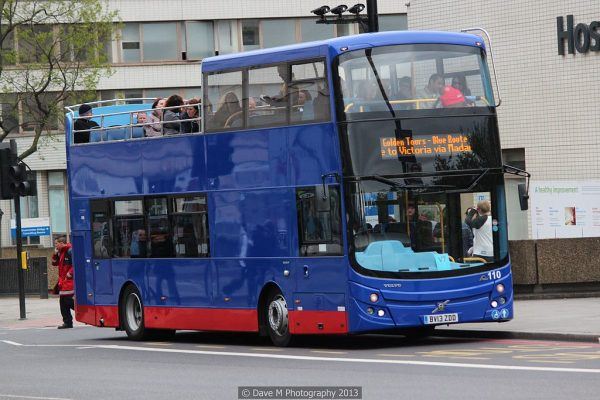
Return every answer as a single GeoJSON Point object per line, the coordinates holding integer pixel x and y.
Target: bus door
{"type": "Point", "coordinates": [321, 276]}
{"type": "Point", "coordinates": [82, 264]}
{"type": "Point", "coordinates": [102, 250]}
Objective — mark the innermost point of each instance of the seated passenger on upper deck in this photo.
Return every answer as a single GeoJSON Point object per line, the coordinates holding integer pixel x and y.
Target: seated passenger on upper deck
{"type": "Point", "coordinates": [171, 124]}
{"type": "Point", "coordinates": [155, 129]}
{"type": "Point", "coordinates": [83, 124]}
{"type": "Point", "coordinates": [431, 91]}
{"type": "Point", "coordinates": [228, 109]}
{"type": "Point", "coordinates": [191, 112]}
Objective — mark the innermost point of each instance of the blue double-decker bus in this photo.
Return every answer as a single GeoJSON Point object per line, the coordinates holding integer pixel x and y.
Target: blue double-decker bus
{"type": "Point", "coordinates": [335, 187]}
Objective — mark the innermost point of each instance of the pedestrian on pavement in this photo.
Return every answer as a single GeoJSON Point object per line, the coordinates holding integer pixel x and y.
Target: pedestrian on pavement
{"type": "Point", "coordinates": [62, 259]}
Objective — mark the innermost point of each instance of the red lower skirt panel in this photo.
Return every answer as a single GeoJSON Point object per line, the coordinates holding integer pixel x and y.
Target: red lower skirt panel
{"type": "Point", "coordinates": [318, 322]}
{"type": "Point", "coordinates": [92, 315]}
{"type": "Point", "coordinates": [201, 319]}
{"type": "Point", "coordinates": [216, 319]}
{"type": "Point", "coordinates": [85, 314]}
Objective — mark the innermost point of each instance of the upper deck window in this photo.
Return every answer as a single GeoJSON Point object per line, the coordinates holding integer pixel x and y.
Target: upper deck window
{"type": "Point", "coordinates": [413, 77]}
{"type": "Point", "coordinates": [274, 95]}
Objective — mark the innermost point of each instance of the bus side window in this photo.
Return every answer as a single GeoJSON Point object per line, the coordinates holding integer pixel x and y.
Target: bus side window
{"type": "Point", "coordinates": [222, 101]}
{"type": "Point", "coordinates": [319, 232]}
{"type": "Point", "coordinates": [269, 97]}
{"type": "Point", "coordinates": [159, 235]}
{"type": "Point", "coordinates": [309, 93]}
{"type": "Point", "coordinates": [101, 229]}
{"type": "Point", "coordinates": [130, 236]}
{"type": "Point", "coordinates": [190, 226]}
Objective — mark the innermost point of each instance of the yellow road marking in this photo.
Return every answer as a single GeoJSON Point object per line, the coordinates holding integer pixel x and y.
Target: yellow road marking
{"type": "Point", "coordinates": [328, 352]}
{"type": "Point", "coordinates": [395, 355]}
{"type": "Point", "coordinates": [266, 349]}
{"type": "Point", "coordinates": [210, 346]}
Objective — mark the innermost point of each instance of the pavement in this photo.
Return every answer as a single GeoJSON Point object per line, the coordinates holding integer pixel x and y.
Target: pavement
{"type": "Point", "coordinates": [572, 319]}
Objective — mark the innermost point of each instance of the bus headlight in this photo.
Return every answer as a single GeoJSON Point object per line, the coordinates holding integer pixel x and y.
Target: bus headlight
{"type": "Point", "coordinates": [500, 288]}
{"type": "Point", "coordinates": [381, 313]}
{"type": "Point", "coordinates": [374, 297]}
{"type": "Point", "coordinates": [494, 304]}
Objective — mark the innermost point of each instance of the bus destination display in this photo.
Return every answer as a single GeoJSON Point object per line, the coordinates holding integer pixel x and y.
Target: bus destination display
{"type": "Point", "coordinates": [435, 144]}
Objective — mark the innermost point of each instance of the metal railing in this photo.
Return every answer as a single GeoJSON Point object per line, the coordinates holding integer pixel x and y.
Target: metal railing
{"type": "Point", "coordinates": [132, 120]}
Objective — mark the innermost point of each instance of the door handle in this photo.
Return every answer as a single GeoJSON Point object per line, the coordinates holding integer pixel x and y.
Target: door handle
{"type": "Point", "coordinates": [306, 273]}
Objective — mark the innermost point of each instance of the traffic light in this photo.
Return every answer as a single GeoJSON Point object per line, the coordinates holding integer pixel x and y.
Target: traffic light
{"type": "Point", "coordinates": [8, 159]}
{"type": "Point", "coordinates": [22, 181]}
{"type": "Point", "coordinates": [15, 180]}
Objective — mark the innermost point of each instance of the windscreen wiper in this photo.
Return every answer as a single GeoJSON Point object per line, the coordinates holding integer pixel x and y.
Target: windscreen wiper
{"type": "Point", "coordinates": [398, 185]}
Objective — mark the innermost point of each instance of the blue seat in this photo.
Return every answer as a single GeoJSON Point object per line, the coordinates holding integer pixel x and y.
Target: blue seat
{"type": "Point", "coordinates": [137, 132]}
{"type": "Point", "coordinates": [117, 134]}
{"type": "Point", "coordinates": [97, 135]}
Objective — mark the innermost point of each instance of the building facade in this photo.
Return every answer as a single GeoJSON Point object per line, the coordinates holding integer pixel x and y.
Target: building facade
{"type": "Point", "coordinates": [156, 53]}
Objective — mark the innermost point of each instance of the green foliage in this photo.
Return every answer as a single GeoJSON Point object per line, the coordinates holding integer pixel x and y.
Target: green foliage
{"type": "Point", "coordinates": [52, 51]}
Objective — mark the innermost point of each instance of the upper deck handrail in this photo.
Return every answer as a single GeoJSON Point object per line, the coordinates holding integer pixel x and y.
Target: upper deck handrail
{"type": "Point", "coordinates": [75, 107]}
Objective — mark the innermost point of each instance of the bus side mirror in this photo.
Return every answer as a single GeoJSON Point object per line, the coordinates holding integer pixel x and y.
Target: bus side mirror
{"type": "Point", "coordinates": [322, 200]}
{"type": "Point", "coordinates": [523, 196]}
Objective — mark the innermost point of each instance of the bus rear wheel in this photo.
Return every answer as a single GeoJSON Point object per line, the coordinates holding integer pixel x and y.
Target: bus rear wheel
{"type": "Point", "coordinates": [278, 320]}
{"type": "Point", "coordinates": [132, 314]}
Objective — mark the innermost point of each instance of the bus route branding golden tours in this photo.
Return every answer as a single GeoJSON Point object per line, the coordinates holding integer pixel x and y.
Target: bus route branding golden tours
{"type": "Point", "coordinates": [435, 144]}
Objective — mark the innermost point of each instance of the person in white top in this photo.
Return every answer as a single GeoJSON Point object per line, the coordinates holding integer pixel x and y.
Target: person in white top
{"type": "Point", "coordinates": [480, 222]}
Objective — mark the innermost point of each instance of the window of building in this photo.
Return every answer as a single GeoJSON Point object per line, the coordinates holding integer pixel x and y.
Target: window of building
{"type": "Point", "coordinates": [57, 203]}
{"type": "Point", "coordinates": [160, 41]}
{"type": "Point", "coordinates": [130, 237]}
{"type": "Point", "coordinates": [190, 226]}
{"type": "Point", "coordinates": [518, 225]}
{"type": "Point", "coordinates": [319, 221]}
{"type": "Point", "coordinates": [130, 43]}
{"type": "Point", "coordinates": [222, 108]}
{"type": "Point", "coordinates": [9, 111]}
{"type": "Point", "coordinates": [393, 22]}
{"type": "Point", "coordinates": [200, 41]}
{"type": "Point", "coordinates": [32, 40]}
{"type": "Point", "coordinates": [227, 37]}
{"type": "Point", "coordinates": [311, 31]}
{"type": "Point", "coordinates": [250, 34]}
{"type": "Point", "coordinates": [278, 32]}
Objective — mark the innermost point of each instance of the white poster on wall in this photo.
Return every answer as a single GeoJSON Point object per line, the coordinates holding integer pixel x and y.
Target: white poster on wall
{"type": "Point", "coordinates": [565, 209]}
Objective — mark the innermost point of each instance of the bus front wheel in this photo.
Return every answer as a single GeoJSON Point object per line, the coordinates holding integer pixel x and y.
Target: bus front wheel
{"type": "Point", "coordinates": [278, 320]}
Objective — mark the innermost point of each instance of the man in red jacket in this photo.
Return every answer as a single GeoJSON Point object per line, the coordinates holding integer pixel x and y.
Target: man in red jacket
{"type": "Point", "coordinates": [63, 259]}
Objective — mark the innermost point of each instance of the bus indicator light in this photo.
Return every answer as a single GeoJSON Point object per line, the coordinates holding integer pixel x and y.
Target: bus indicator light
{"type": "Point", "coordinates": [500, 288]}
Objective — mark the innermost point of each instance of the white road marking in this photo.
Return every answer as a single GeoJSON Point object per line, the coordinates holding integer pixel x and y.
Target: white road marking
{"type": "Point", "coordinates": [15, 396]}
{"type": "Point", "coordinates": [12, 343]}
